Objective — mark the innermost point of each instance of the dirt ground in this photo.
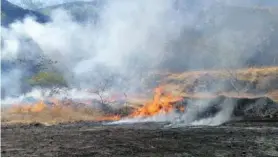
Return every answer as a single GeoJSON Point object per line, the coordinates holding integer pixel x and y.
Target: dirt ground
{"type": "Point", "coordinates": [144, 139]}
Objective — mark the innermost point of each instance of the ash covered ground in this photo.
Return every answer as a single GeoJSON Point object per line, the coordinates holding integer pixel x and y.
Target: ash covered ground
{"type": "Point", "coordinates": [140, 139]}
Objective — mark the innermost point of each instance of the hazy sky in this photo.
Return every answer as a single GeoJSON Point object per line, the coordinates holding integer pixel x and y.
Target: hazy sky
{"type": "Point", "coordinates": [240, 2]}
{"type": "Point", "coordinates": [44, 2]}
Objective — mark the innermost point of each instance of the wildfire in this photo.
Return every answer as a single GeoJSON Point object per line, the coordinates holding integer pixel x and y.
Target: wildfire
{"type": "Point", "coordinates": [33, 108]}
{"type": "Point", "coordinates": [162, 102]}
{"type": "Point", "coordinates": [38, 107]}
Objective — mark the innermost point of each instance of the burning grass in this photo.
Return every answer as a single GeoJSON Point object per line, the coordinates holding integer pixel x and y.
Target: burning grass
{"type": "Point", "coordinates": [50, 114]}
{"type": "Point", "coordinates": [162, 102]}
{"type": "Point", "coordinates": [67, 111]}
{"type": "Point", "coordinates": [174, 89]}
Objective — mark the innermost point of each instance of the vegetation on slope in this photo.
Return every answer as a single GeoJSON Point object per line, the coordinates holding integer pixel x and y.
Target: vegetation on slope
{"type": "Point", "coordinates": [255, 81]}
{"type": "Point", "coordinates": [11, 13]}
{"type": "Point", "coordinates": [80, 11]}
{"type": "Point", "coordinates": [47, 79]}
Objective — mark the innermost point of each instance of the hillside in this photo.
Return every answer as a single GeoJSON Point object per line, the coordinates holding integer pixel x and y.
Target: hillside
{"type": "Point", "coordinates": [81, 11]}
{"type": "Point", "coordinates": [239, 82]}
{"type": "Point", "coordinates": [10, 13]}
{"type": "Point", "coordinates": [28, 64]}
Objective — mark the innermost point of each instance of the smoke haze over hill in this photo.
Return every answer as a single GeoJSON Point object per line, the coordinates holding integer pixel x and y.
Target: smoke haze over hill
{"type": "Point", "coordinates": [134, 38]}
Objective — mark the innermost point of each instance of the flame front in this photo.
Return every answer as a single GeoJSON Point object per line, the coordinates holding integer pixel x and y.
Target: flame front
{"type": "Point", "coordinates": [35, 107]}
{"type": "Point", "coordinates": [38, 107]}
{"type": "Point", "coordinates": [162, 103]}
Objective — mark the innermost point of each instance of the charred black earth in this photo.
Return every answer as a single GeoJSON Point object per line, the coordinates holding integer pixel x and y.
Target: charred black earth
{"type": "Point", "coordinates": [245, 138]}
{"type": "Point", "coordinates": [255, 134]}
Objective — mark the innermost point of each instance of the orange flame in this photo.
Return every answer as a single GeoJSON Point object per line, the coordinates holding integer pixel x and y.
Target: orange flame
{"type": "Point", "coordinates": [27, 108]}
{"type": "Point", "coordinates": [38, 107]}
{"type": "Point", "coordinates": [162, 102]}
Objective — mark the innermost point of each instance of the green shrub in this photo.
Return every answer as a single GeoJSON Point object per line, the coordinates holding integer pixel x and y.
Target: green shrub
{"type": "Point", "coordinates": [47, 79]}
{"type": "Point", "coordinates": [46, 12]}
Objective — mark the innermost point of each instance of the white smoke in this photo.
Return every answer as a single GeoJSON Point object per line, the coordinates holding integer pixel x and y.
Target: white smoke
{"type": "Point", "coordinates": [130, 39]}
{"type": "Point", "coordinates": [137, 30]}
{"type": "Point", "coordinates": [191, 117]}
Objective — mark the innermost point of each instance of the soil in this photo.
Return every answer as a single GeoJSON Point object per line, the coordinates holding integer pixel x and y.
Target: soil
{"type": "Point", "coordinates": [244, 138]}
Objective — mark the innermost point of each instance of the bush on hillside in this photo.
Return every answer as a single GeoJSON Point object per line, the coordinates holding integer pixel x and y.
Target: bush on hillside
{"type": "Point", "coordinates": [48, 79]}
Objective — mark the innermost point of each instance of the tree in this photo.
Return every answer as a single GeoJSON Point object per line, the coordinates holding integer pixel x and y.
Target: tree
{"type": "Point", "coordinates": [103, 86]}
{"type": "Point", "coordinates": [103, 80]}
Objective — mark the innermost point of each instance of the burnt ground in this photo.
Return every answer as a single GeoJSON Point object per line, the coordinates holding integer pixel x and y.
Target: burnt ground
{"type": "Point", "coordinates": [141, 139]}
{"type": "Point", "coordinates": [256, 134]}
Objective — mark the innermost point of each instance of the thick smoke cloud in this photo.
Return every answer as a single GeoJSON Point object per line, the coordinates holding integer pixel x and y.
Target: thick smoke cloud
{"type": "Point", "coordinates": [128, 40]}
{"type": "Point", "coordinates": [225, 35]}
{"type": "Point", "coordinates": [134, 38]}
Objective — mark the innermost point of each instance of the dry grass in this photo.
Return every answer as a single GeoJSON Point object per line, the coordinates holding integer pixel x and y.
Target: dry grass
{"type": "Point", "coordinates": [177, 83]}
{"type": "Point", "coordinates": [62, 113]}
{"type": "Point", "coordinates": [262, 78]}
{"type": "Point", "coordinates": [245, 74]}
{"type": "Point", "coordinates": [50, 115]}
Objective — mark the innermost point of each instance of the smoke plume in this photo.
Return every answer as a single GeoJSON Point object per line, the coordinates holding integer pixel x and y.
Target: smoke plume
{"type": "Point", "coordinates": [129, 39]}
{"type": "Point", "coordinates": [134, 38]}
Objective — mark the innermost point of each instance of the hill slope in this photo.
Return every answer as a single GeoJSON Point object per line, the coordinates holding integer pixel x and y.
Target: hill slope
{"type": "Point", "coordinates": [10, 13]}
{"type": "Point", "coordinates": [232, 82]}
{"type": "Point", "coordinates": [81, 11]}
